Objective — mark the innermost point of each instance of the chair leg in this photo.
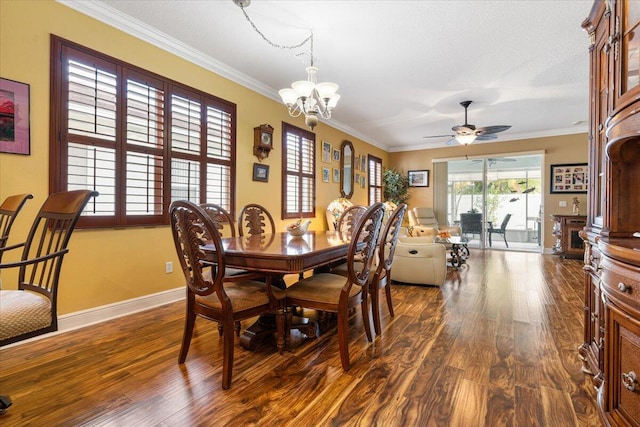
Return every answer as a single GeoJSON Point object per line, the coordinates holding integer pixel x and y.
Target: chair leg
{"type": "Point", "coordinates": [227, 354]}
{"type": "Point", "coordinates": [504, 236]}
{"type": "Point", "coordinates": [489, 238]}
{"type": "Point", "coordinates": [189, 323]}
{"type": "Point", "coordinates": [387, 290]}
{"type": "Point", "coordinates": [280, 325]}
{"type": "Point", "coordinates": [366, 315]}
{"type": "Point", "coordinates": [375, 309]}
{"type": "Point", "coordinates": [343, 338]}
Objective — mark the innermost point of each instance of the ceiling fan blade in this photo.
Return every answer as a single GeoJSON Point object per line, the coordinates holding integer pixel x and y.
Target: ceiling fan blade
{"type": "Point", "coordinates": [491, 129]}
{"type": "Point", "coordinates": [486, 137]}
{"type": "Point", "coordinates": [502, 159]}
{"type": "Point", "coordinates": [452, 141]}
{"type": "Point", "coordinates": [439, 136]}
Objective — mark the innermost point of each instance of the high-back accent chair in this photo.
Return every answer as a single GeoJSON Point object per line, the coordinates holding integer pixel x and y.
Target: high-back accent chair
{"type": "Point", "coordinates": [255, 219]}
{"type": "Point", "coordinates": [209, 294]}
{"type": "Point", "coordinates": [382, 276]}
{"type": "Point", "coordinates": [32, 309]}
{"type": "Point", "coordinates": [336, 293]}
{"type": "Point", "coordinates": [424, 222]}
{"type": "Point", "coordinates": [502, 230]}
{"type": "Point", "coordinates": [9, 210]}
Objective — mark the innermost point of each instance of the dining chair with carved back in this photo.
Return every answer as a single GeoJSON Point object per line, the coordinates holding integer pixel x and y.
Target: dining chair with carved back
{"type": "Point", "coordinates": [381, 279]}
{"type": "Point", "coordinates": [336, 293]}
{"type": "Point", "coordinates": [255, 219]}
{"type": "Point", "coordinates": [348, 220]}
{"type": "Point", "coordinates": [9, 210]}
{"type": "Point", "coordinates": [31, 309]}
{"type": "Point", "coordinates": [209, 294]}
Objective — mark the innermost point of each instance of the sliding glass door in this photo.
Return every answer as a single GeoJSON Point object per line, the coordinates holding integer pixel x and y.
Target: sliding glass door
{"type": "Point", "coordinates": [497, 201]}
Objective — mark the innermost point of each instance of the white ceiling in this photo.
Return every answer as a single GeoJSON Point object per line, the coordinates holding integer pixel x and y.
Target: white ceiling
{"type": "Point", "coordinates": [403, 66]}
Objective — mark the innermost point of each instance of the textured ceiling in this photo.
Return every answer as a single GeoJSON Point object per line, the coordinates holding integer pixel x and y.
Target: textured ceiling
{"type": "Point", "coordinates": [403, 66]}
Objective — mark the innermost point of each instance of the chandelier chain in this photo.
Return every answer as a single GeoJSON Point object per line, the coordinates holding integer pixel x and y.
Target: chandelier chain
{"type": "Point", "coordinates": [276, 45]}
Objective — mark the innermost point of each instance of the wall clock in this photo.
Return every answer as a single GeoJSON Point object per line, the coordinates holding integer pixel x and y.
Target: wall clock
{"type": "Point", "coordinates": [262, 141]}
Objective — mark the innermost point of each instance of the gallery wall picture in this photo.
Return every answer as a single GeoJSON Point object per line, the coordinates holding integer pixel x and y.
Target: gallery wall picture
{"type": "Point", "coordinates": [14, 117]}
{"type": "Point", "coordinates": [260, 172]}
{"type": "Point", "coordinates": [325, 174]}
{"type": "Point", "coordinates": [569, 178]}
{"type": "Point", "coordinates": [326, 152]}
{"type": "Point", "coordinates": [419, 178]}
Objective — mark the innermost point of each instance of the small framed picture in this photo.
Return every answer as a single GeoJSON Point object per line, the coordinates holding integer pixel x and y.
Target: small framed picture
{"type": "Point", "coordinates": [569, 178]}
{"type": "Point", "coordinates": [14, 117]}
{"type": "Point", "coordinates": [326, 152]}
{"type": "Point", "coordinates": [363, 181]}
{"type": "Point", "coordinates": [419, 178]}
{"type": "Point", "coordinates": [363, 163]}
{"type": "Point", "coordinates": [336, 155]}
{"type": "Point", "coordinates": [357, 162]}
{"type": "Point", "coordinates": [325, 174]}
{"type": "Point", "coordinates": [260, 172]}
{"type": "Point", "coordinates": [336, 175]}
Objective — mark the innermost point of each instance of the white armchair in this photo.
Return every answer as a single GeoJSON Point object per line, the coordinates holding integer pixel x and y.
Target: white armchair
{"type": "Point", "coordinates": [420, 261]}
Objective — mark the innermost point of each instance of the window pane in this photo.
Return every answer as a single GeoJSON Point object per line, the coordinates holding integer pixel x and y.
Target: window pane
{"type": "Point", "coordinates": [219, 185]}
{"type": "Point", "coordinates": [93, 168]}
{"type": "Point", "coordinates": [144, 184]}
{"type": "Point", "coordinates": [185, 180]}
{"type": "Point", "coordinates": [185, 125]}
{"type": "Point", "coordinates": [293, 191]}
{"type": "Point", "coordinates": [92, 102]}
{"type": "Point", "coordinates": [218, 134]}
{"type": "Point", "coordinates": [145, 115]}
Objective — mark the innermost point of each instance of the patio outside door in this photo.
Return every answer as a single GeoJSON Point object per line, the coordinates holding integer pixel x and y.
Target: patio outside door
{"type": "Point", "coordinates": [502, 192]}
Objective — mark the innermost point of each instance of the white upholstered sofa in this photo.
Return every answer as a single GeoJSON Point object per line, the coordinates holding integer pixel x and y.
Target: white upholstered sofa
{"type": "Point", "coordinates": [418, 260]}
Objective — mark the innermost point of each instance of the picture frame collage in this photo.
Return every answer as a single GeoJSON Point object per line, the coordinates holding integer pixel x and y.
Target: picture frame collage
{"type": "Point", "coordinates": [569, 178]}
{"type": "Point", "coordinates": [332, 174]}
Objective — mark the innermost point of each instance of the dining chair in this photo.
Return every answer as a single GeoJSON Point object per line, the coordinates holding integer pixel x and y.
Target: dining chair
{"type": "Point", "coordinates": [9, 210]}
{"type": "Point", "coordinates": [255, 219]}
{"type": "Point", "coordinates": [31, 309]}
{"type": "Point", "coordinates": [348, 221]}
{"type": "Point", "coordinates": [381, 279]}
{"type": "Point", "coordinates": [209, 295]}
{"type": "Point", "coordinates": [335, 293]}
{"type": "Point", "coordinates": [226, 228]}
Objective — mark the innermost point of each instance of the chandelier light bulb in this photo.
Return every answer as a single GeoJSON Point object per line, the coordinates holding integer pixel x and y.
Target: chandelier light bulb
{"type": "Point", "coordinates": [466, 139]}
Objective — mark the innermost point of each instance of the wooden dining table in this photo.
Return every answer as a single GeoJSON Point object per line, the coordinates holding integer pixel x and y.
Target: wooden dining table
{"type": "Point", "coordinates": [278, 254]}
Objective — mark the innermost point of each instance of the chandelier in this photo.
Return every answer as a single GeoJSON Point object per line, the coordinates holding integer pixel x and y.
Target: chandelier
{"type": "Point", "coordinates": [306, 97]}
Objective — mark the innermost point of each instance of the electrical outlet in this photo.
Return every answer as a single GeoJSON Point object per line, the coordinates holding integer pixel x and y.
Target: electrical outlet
{"type": "Point", "coordinates": [562, 203]}
{"type": "Point", "coordinates": [168, 267]}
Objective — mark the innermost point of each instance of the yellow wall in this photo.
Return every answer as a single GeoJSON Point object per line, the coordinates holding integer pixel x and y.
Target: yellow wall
{"type": "Point", "coordinates": [557, 149]}
{"type": "Point", "coordinates": [108, 266]}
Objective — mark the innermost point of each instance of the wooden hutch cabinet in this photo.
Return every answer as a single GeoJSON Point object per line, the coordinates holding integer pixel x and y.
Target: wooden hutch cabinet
{"type": "Point", "coordinates": [566, 229]}
{"type": "Point", "coordinates": [611, 348]}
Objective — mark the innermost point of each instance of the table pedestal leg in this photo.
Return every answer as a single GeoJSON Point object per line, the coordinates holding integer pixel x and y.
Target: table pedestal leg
{"type": "Point", "coordinates": [265, 326]}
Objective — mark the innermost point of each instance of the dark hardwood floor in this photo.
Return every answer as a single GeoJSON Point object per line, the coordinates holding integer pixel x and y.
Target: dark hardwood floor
{"type": "Point", "coordinates": [496, 345]}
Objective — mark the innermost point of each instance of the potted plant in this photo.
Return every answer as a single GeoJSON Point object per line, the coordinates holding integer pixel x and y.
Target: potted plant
{"type": "Point", "coordinates": [396, 186]}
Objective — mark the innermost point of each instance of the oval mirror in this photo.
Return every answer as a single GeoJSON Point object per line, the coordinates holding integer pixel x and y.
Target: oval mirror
{"type": "Point", "coordinates": [346, 164]}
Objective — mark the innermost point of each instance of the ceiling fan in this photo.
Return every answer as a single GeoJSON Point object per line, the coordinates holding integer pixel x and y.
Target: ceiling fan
{"type": "Point", "coordinates": [467, 133]}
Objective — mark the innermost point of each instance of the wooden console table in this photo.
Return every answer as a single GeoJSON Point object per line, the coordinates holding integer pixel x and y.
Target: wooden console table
{"type": "Point", "coordinates": [566, 229]}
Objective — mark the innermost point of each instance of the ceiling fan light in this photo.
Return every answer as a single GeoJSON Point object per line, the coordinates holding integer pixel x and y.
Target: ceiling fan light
{"type": "Point", "coordinates": [465, 139]}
